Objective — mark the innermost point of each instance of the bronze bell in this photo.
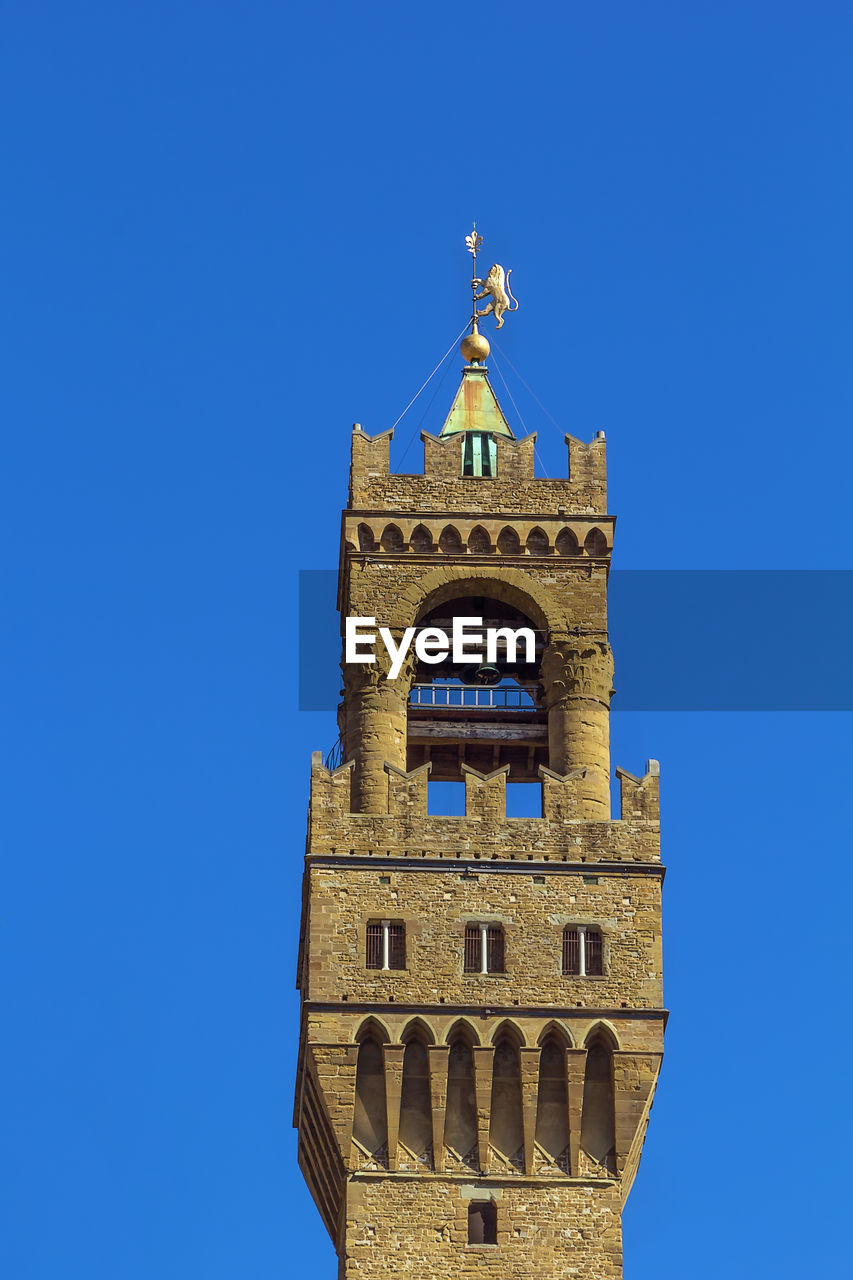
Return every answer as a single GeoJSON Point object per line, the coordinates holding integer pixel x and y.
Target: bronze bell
{"type": "Point", "coordinates": [485, 674]}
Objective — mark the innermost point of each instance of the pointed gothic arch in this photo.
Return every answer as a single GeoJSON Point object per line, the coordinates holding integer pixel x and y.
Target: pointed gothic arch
{"type": "Point", "coordinates": [366, 540]}
{"type": "Point", "coordinates": [392, 538]}
{"type": "Point", "coordinates": [603, 1030]}
{"type": "Point", "coordinates": [538, 543]}
{"type": "Point", "coordinates": [595, 543]}
{"type": "Point", "coordinates": [421, 539]}
{"type": "Point", "coordinates": [449, 541]}
{"type": "Point", "coordinates": [372, 1026]}
{"type": "Point", "coordinates": [479, 542]}
{"type": "Point", "coordinates": [418, 1027]}
{"type": "Point", "coordinates": [566, 543]}
{"type": "Point", "coordinates": [509, 543]}
{"type": "Point", "coordinates": [462, 1027]}
{"type": "Point", "coordinates": [510, 1029]}
{"type": "Point", "coordinates": [555, 1028]}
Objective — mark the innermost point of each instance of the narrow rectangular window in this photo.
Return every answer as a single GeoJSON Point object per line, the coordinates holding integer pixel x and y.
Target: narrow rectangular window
{"type": "Point", "coordinates": [495, 949]}
{"type": "Point", "coordinates": [479, 454]}
{"type": "Point", "coordinates": [594, 965]}
{"type": "Point", "coordinates": [374, 946]}
{"type": "Point", "coordinates": [571, 951]}
{"type": "Point", "coordinates": [472, 948]}
{"type": "Point", "coordinates": [482, 1222]}
{"type": "Point", "coordinates": [396, 945]}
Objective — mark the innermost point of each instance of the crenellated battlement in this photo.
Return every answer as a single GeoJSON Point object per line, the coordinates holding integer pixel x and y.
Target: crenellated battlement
{"type": "Point", "coordinates": [373, 486]}
{"type": "Point", "coordinates": [406, 830]}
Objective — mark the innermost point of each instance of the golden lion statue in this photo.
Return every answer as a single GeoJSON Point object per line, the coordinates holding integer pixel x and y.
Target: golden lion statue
{"type": "Point", "coordinates": [495, 284]}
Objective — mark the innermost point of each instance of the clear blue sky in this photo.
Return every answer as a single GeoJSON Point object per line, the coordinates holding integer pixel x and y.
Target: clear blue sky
{"type": "Point", "coordinates": [230, 230]}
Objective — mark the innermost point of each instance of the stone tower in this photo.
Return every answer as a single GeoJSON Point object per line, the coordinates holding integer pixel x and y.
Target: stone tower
{"type": "Point", "coordinates": [482, 1013]}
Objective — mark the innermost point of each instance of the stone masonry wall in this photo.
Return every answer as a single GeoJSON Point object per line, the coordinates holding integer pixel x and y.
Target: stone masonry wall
{"type": "Point", "coordinates": [418, 1227]}
{"type": "Point", "coordinates": [533, 908]}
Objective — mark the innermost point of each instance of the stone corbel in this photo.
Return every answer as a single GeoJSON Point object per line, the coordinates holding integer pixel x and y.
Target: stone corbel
{"type": "Point", "coordinates": [575, 1071]}
{"type": "Point", "coordinates": [392, 1058]}
{"type": "Point", "coordinates": [439, 1055]}
{"type": "Point", "coordinates": [484, 1056]}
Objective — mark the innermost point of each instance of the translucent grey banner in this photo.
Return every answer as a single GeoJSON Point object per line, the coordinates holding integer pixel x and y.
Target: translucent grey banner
{"type": "Point", "coordinates": [683, 640]}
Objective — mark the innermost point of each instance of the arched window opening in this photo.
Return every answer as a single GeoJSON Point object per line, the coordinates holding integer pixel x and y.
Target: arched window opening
{"type": "Point", "coordinates": [598, 1123]}
{"type": "Point", "coordinates": [421, 539]}
{"type": "Point", "coordinates": [415, 1105]}
{"type": "Point", "coordinates": [366, 540]}
{"type": "Point", "coordinates": [595, 543]}
{"type": "Point", "coordinates": [450, 542]}
{"type": "Point", "coordinates": [494, 680]}
{"type": "Point", "coordinates": [506, 1133]}
{"type": "Point", "coordinates": [392, 538]}
{"type": "Point", "coordinates": [509, 543]}
{"type": "Point", "coordinates": [567, 544]}
{"type": "Point", "coordinates": [552, 1108]}
{"type": "Point", "coordinates": [537, 542]}
{"type": "Point", "coordinates": [479, 542]}
{"type": "Point", "coordinates": [460, 1126]}
{"type": "Point", "coordinates": [370, 1121]}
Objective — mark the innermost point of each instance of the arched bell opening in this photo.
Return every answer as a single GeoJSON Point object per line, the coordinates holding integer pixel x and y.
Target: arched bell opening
{"type": "Point", "coordinates": [481, 706]}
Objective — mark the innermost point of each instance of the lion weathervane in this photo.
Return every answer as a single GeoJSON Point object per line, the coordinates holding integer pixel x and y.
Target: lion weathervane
{"type": "Point", "coordinates": [495, 286]}
{"type": "Point", "coordinates": [475, 346]}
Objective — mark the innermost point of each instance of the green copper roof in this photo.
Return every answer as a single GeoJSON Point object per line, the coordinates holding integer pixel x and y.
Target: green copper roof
{"type": "Point", "coordinates": [475, 407]}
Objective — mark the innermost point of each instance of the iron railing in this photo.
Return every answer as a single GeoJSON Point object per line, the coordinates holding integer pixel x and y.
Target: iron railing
{"type": "Point", "coordinates": [519, 697]}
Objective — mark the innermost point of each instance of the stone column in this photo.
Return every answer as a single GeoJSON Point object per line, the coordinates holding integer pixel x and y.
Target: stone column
{"type": "Point", "coordinates": [577, 677]}
{"type": "Point", "coordinates": [373, 728]}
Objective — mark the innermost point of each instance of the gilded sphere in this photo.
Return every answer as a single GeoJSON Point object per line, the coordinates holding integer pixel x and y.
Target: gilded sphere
{"type": "Point", "coordinates": [474, 347]}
